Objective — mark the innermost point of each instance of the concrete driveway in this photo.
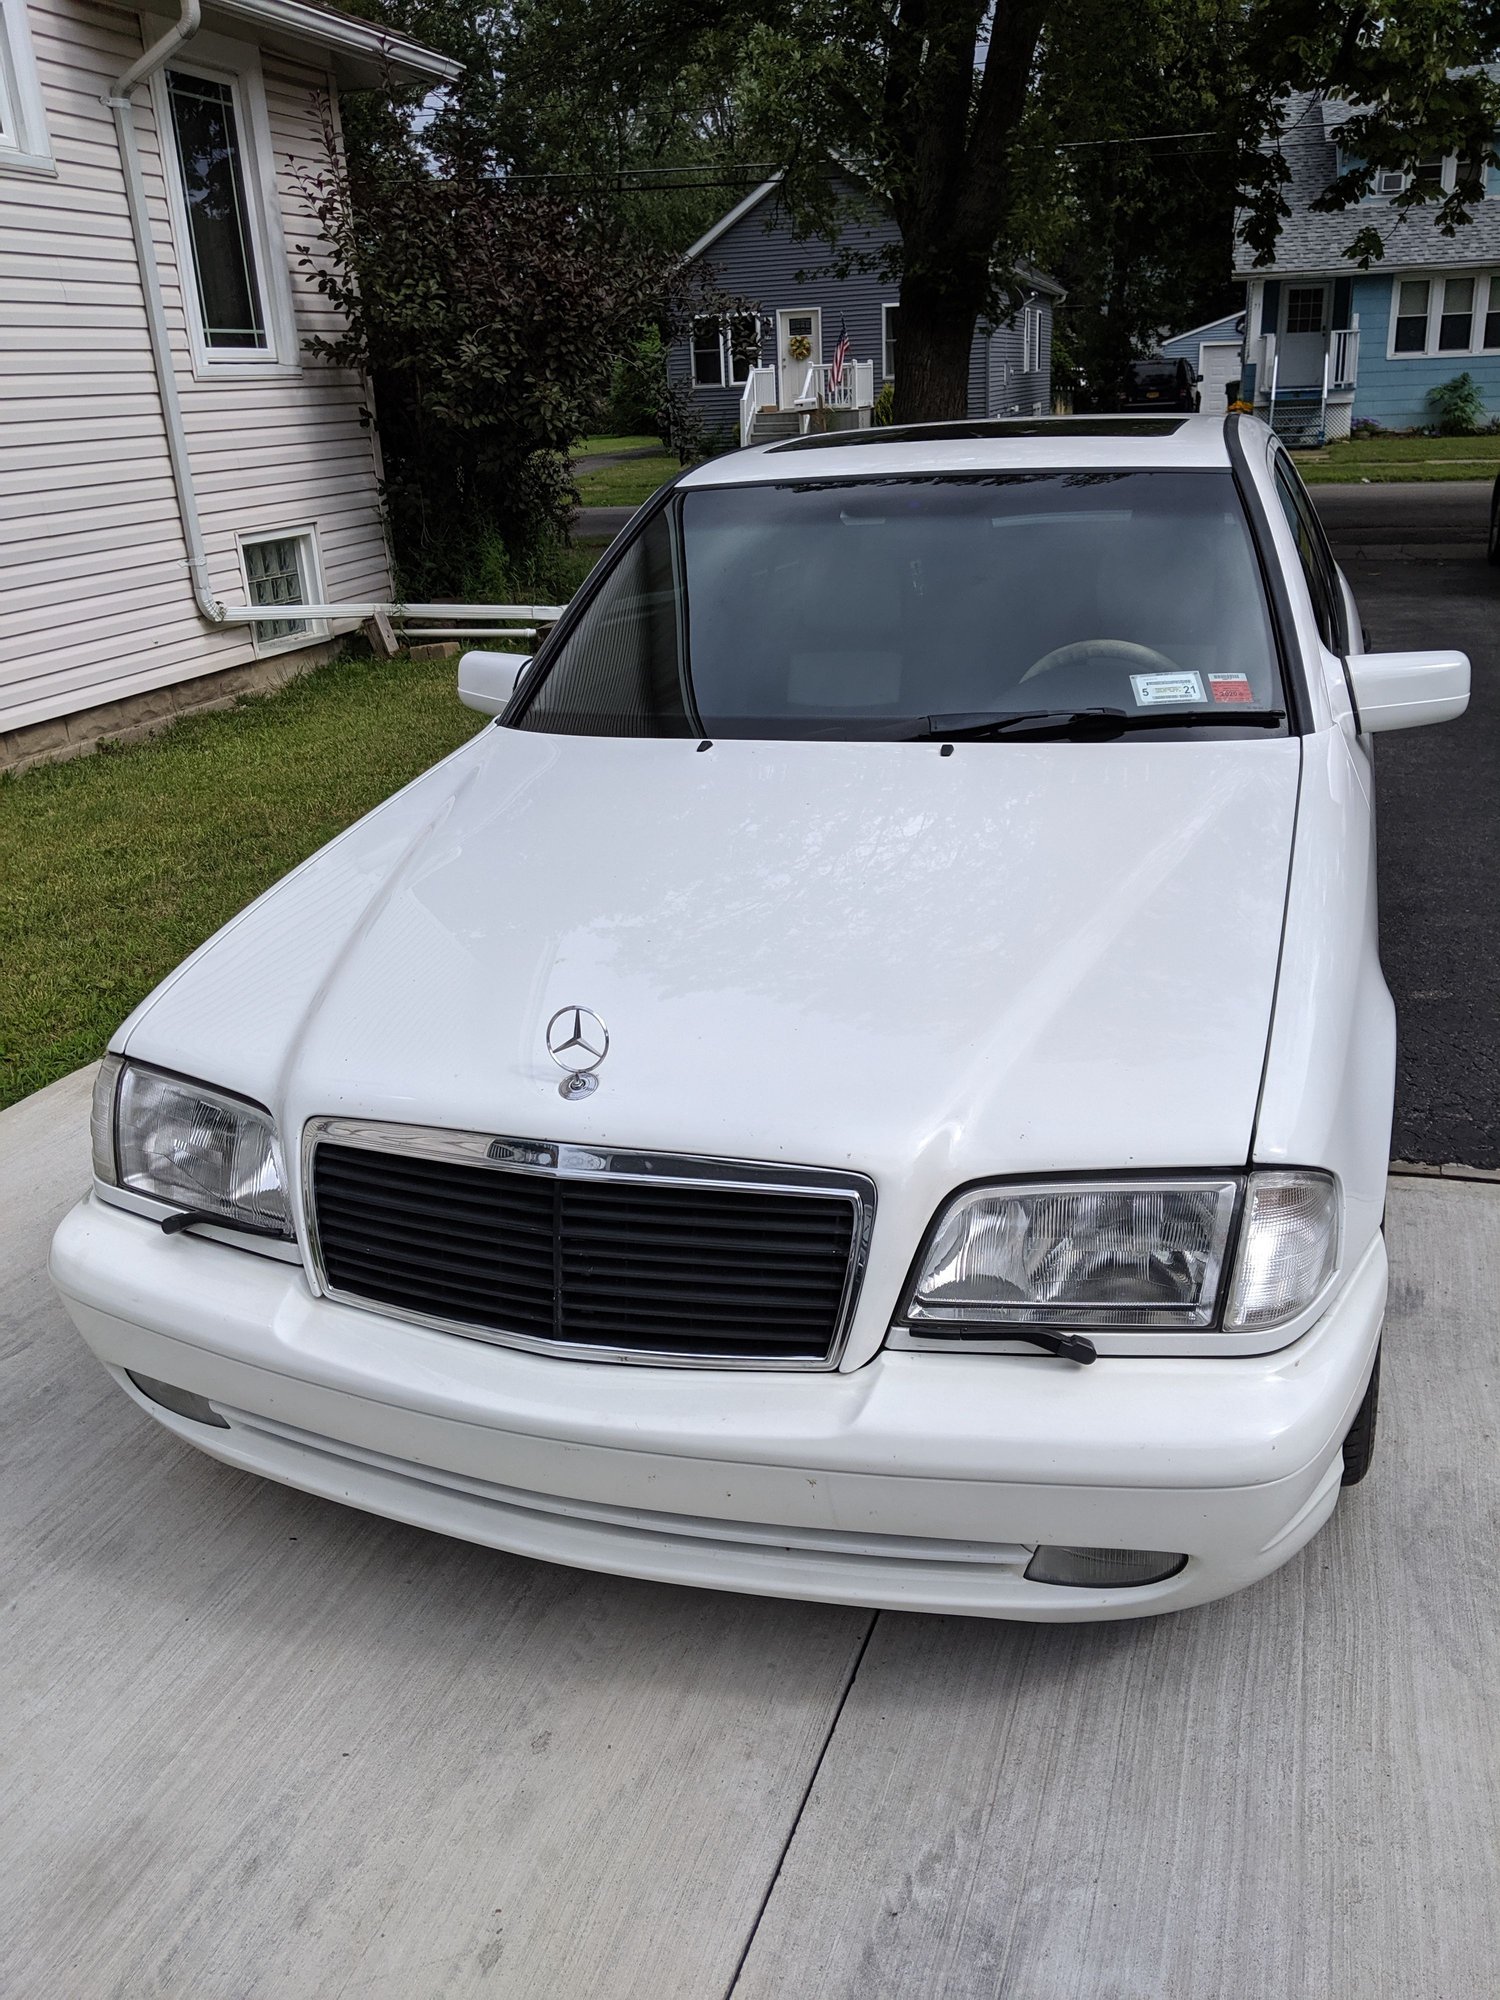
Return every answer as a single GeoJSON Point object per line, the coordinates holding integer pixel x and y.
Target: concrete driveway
{"type": "Point", "coordinates": [260, 1745]}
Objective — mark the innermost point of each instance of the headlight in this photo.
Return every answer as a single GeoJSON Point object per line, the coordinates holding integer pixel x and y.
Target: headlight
{"type": "Point", "coordinates": [190, 1146]}
{"type": "Point", "coordinates": [1128, 1254]}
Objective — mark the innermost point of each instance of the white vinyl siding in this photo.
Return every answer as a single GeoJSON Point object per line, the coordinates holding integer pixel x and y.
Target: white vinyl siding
{"type": "Point", "coordinates": [95, 603]}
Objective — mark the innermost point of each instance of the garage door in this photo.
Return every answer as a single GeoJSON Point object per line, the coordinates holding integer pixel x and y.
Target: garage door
{"type": "Point", "coordinates": [1219, 365]}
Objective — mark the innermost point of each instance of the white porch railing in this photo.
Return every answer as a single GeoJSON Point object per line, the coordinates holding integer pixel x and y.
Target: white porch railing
{"type": "Point", "coordinates": [855, 390]}
{"type": "Point", "coordinates": [760, 394]}
{"type": "Point", "coordinates": [1345, 369]}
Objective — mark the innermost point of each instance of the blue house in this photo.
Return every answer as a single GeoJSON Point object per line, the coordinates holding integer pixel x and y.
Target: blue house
{"type": "Point", "coordinates": [772, 373]}
{"type": "Point", "coordinates": [1327, 344]}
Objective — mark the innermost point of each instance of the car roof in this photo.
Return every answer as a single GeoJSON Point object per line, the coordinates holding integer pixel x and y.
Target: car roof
{"type": "Point", "coordinates": [999, 444]}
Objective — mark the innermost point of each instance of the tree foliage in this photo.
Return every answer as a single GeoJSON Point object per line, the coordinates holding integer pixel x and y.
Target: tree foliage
{"type": "Point", "coordinates": [487, 317]}
{"type": "Point", "coordinates": [1109, 142]}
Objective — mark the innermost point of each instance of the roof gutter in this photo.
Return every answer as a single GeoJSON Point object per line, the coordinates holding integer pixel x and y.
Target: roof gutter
{"type": "Point", "coordinates": [119, 101]}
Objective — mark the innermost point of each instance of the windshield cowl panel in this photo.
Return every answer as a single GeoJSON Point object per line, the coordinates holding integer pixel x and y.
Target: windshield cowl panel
{"type": "Point", "coordinates": [1089, 604]}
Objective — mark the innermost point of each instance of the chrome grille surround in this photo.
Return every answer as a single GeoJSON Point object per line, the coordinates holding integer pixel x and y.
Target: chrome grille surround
{"type": "Point", "coordinates": [603, 1165]}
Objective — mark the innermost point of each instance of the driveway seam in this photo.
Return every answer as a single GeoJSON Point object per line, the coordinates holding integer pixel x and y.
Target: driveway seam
{"type": "Point", "coordinates": [807, 1792]}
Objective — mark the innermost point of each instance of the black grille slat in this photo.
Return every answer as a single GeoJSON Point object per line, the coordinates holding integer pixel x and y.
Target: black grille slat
{"type": "Point", "coordinates": [643, 1267]}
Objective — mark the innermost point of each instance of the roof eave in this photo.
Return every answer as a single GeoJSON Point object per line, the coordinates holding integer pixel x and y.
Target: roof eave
{"type": "Point", "coordinates": [362, 55]}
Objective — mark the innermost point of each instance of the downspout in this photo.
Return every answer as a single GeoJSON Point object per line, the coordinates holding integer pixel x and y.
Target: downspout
{"type": "Point", "coordinates": [118, 100]}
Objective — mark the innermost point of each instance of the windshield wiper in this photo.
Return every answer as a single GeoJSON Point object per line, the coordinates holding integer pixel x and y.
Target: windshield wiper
{"type": "Point", "coordinates": [1082, 724]}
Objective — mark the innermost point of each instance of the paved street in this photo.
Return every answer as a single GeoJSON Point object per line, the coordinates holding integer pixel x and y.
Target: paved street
{"type": "Point", "coordinates": [1415, 558]}
{"type": "Point", "coordinates": [260, 1745]}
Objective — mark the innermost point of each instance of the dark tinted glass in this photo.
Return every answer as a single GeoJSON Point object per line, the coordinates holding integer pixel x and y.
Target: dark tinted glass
{"type": "Point", "coordinates": [862, 607]}
{"type": "Point", "coordinates": [1314, 555]}
{"type": "Point", "coordinates": [208, 153]}
{"type": "Point", "coordinates": [621, 672]}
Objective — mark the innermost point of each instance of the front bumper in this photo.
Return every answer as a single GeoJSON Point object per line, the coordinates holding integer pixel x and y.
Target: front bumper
{"type": "Point", "coordinates": [917, 1482]}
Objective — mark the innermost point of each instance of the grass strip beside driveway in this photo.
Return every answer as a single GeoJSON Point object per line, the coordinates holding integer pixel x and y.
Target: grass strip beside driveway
{"type": "Point", "coordinates": [1383, 458]}
{"type": "Point", "coordinates": [113, 868]}
{"type": "Point", "coordinates": [628, 484]}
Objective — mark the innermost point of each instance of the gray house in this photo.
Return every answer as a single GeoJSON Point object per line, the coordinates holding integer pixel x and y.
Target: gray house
{"type": "Point", "coordinates": [776, 372]}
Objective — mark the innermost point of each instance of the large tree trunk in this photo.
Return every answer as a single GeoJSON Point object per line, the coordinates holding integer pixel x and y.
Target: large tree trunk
{"type": "Point", "coordinates": [934, 340]}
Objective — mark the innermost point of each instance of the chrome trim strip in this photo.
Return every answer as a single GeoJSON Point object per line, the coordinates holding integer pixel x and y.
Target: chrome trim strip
{"type": "Point", "coordinates": [559, 1159]}
{"type": "Point", "coordinates": [283, 1248]}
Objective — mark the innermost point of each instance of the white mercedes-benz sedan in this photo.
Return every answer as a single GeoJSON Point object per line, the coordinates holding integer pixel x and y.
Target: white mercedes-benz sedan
{"type": "Point", "coordinates": [871, 1080]}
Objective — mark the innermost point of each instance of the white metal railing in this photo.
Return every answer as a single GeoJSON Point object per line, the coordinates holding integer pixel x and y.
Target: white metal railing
{"type": "Point", "coordinates": [474, 621]}
{"type": "Point", "coordinates": [854, 391]}
{"type": "Point", "coordinates": [760, 394]}
{"type": "Point", "coordinates": [1345, 371]}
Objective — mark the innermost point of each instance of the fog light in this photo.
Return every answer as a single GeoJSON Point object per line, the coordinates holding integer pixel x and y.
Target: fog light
{"type": "Point", "coordinates": [1103, 1569]}
{"type": "Point", "coordinates": [182, 1402]}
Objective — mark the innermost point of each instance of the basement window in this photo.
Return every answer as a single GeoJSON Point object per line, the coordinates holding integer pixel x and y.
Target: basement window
{"type": "Point", "coordinates": [283, 571]}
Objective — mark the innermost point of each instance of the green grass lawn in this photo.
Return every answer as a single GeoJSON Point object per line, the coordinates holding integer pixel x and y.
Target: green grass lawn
{"type": "Point", "coordinates": [626, 485]}
{"type": "Point", "coordinates": [114, 867]}
{"type": "Point", "coordinates": [588, 447]}
{"type": "Point", "coordinates": [1401, 458]}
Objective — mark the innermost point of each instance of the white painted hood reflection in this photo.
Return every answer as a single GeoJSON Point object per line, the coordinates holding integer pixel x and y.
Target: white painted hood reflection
{"type": "Point", "coordinates": [1020, 957]}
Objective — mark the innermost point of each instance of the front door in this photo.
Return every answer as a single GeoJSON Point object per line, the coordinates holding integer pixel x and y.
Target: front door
{"type": "Point", "coordinates": [1304, 336]}
{"type": "Point", "coordinates": [799, 348]}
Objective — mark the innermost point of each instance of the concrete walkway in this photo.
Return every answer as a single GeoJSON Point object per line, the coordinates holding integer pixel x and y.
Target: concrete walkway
{"type": "Point", "coordinates": [260, 1745]}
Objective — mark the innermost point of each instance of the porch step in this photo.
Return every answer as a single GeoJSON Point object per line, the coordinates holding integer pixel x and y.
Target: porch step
{"type": "Point", "coordinates": [772, 424]}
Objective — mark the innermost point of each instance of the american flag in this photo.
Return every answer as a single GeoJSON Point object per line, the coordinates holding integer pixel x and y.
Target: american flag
{"type": "Point", "coordinates": [840, 356]}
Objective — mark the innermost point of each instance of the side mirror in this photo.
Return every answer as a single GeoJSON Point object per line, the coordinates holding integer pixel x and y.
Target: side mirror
{"type": "Point", "coordinates": [1404, 690]}
{"type": "Point", "coordinates": [487, 681]}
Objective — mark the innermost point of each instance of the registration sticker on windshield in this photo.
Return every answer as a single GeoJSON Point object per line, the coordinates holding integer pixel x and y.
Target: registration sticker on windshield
{"type": "Point", "coordinates": [1229, 687]}
{"type": "Point", "coordinates": [1152, 690]}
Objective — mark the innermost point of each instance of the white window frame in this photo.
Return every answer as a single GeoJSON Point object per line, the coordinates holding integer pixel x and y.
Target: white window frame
{"type": "Point", "coordinates": [1486, 298]}
{"type": "Point", "coordinates": [310, 575]}
{"type": "Point", "coordinates": [727, 377]}
{"type": "Point", "coordinates": [24, 145]}
{"type": "Point", "coordinates": [236, 64]}
{"type": "Point", "coordinates": [1031, 339]}
{"type": "Point", "coordinates": [887, 344]}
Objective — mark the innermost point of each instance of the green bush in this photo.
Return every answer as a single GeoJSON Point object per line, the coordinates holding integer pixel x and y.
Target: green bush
{"type": "Point", "coordinates": [1459, 406]}
{"type": "Point", "coordinates": [884, 410]}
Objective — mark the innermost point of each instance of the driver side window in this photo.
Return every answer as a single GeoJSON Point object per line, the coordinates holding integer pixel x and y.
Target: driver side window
{"type": "Point", "coordinates": [1313, 553]}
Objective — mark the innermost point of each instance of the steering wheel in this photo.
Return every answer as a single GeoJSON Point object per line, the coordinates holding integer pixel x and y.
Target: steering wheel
{"type": "Point", "coordinates": [1091, 652]}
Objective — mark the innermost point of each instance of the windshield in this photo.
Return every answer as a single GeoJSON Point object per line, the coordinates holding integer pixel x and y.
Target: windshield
{"type": "Point", "coordinates": [909, 605]}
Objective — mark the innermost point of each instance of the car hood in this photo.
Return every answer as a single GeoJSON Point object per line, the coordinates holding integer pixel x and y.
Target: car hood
{"type": "Point", "coordinates": [1015, 958]}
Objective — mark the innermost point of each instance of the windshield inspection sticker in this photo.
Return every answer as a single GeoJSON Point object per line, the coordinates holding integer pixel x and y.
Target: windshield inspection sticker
{"type": "Point", "coordinates": [1151, 690]}
{"type": "Point", "coordinates": [1229, 687]}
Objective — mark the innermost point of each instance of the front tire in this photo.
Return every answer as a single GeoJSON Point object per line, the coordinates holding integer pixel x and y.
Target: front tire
{"type": "Point", "coordinates": [1359, 1445]}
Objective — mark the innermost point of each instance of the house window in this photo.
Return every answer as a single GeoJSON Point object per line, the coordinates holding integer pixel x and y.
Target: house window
{"type": "Point", "coordinates": [1412, 296]}
{"type": "Point", "coordinates": [23, 125]}
{"type": "Point", "coordinates": [1305, 306]}
{"type": "Point", "coordinates": [708, 355]}
{"type": "Point", "coordinates": [1456, 326]}
{"type": "Point", "coordinates": [1492, 311]}
{"type": "Point", "coordinates": [282, 571]}
{"type": "Point", "coordinates": [1429, 173]}
{"type": "Point", "coordinates": [1031, 339]}
{"type": "Point", "coordinates": [889, 315]}
{"type": "Point", "coordinates": [725, 351]}
{"type": "Point", "coordinates": [210, 152]}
